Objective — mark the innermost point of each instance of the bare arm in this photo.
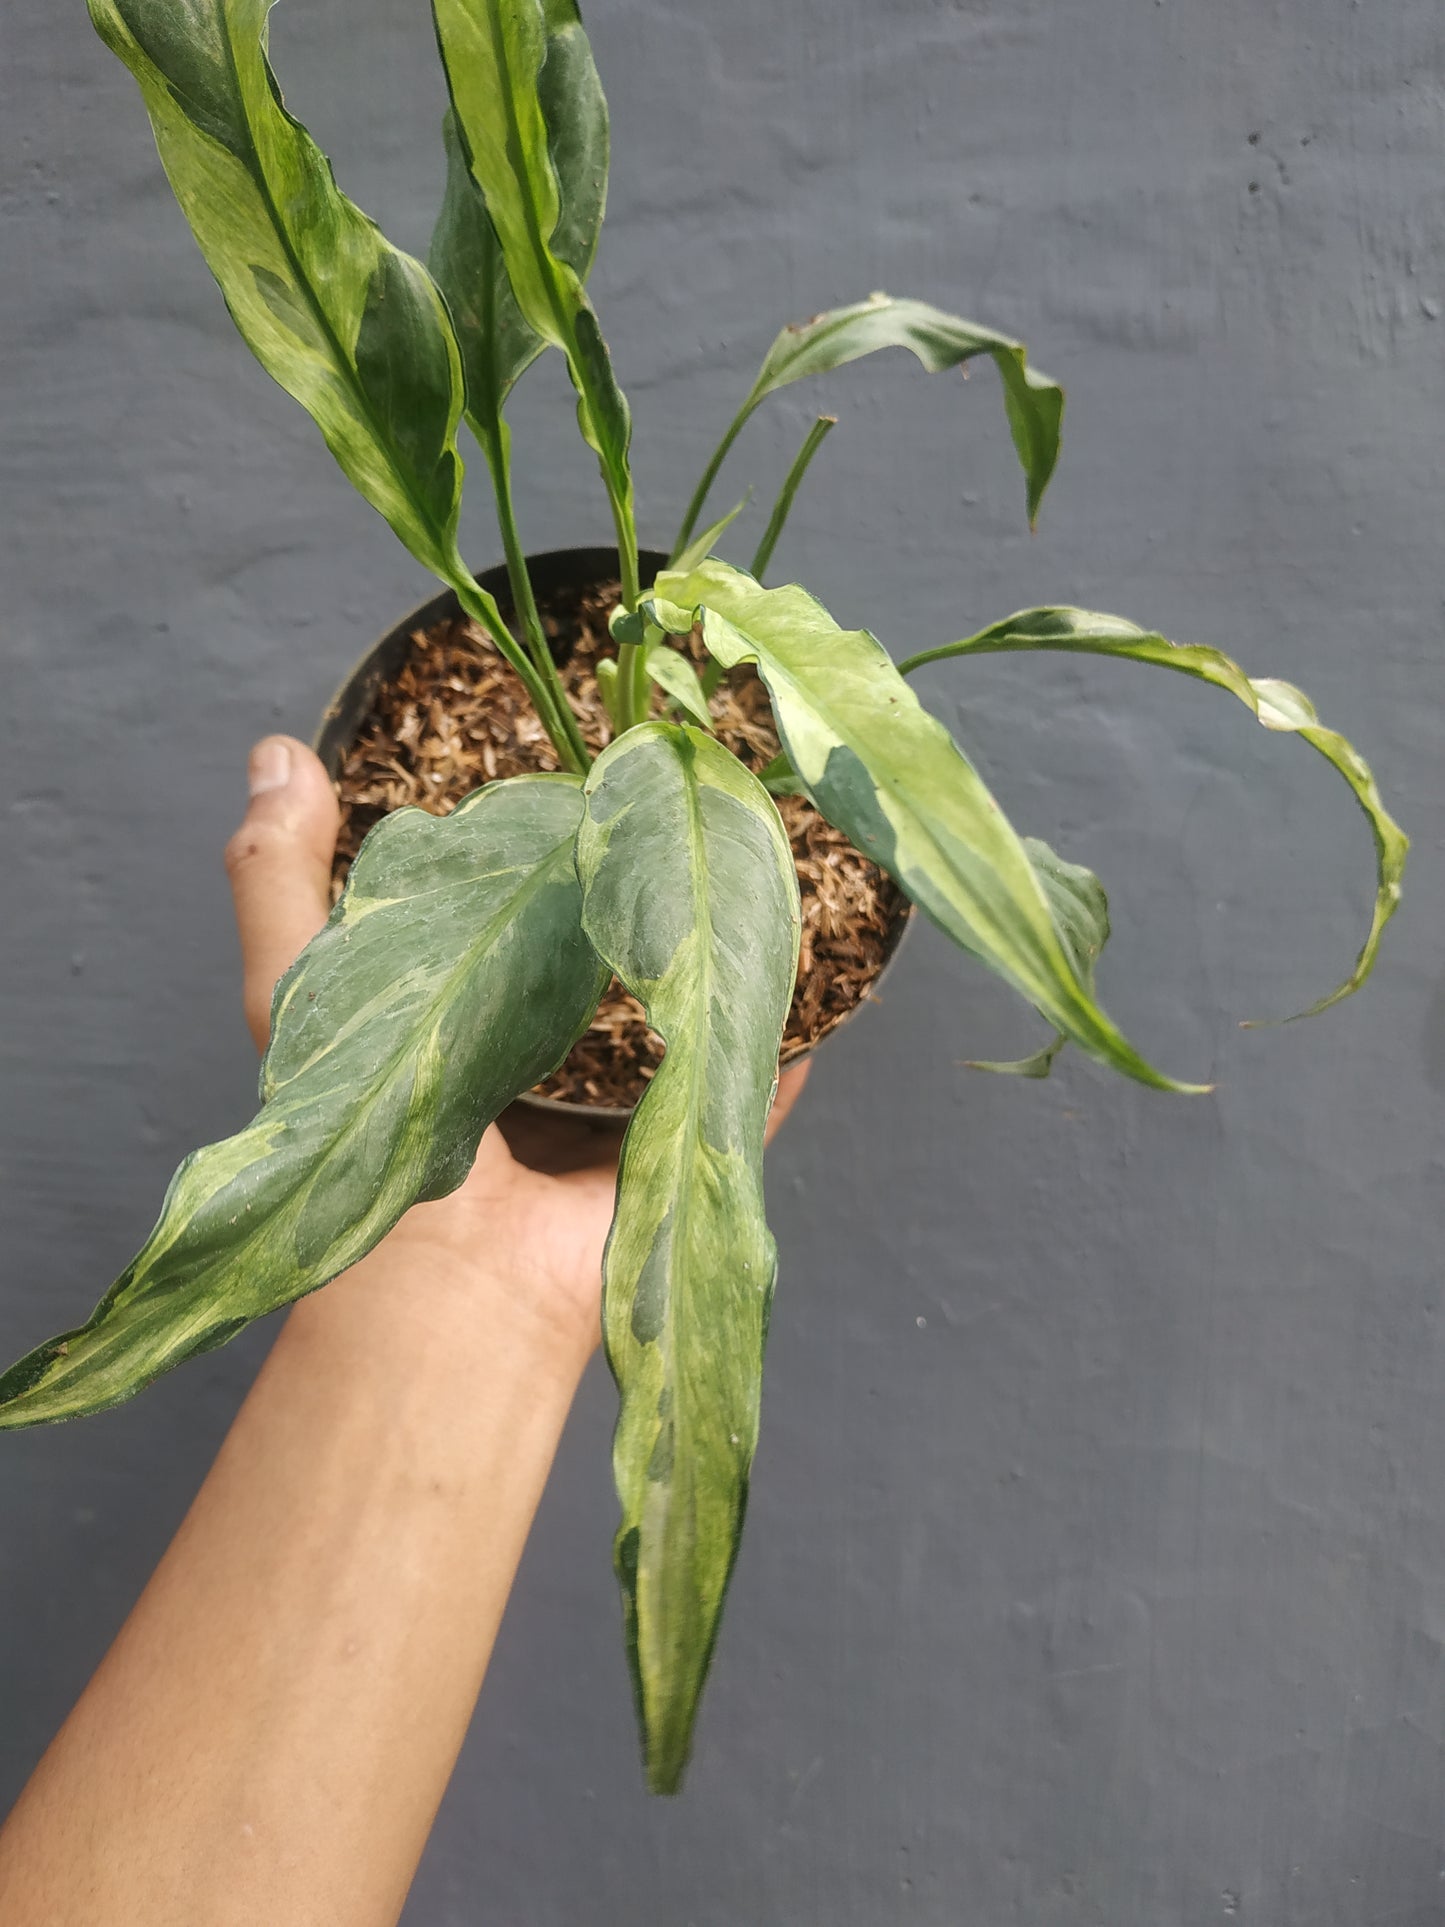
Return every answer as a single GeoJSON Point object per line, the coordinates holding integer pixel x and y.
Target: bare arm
{"type": "Point", "coordinates": [270, 1735]}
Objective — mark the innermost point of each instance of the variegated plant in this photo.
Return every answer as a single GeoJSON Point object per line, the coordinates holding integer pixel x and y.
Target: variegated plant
{"type": "Point", "coordinates": [468, 953]}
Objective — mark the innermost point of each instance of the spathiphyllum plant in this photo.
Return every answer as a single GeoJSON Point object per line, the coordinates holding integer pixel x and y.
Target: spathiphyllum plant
{"type": "Point", "coordinates": [469, 951]}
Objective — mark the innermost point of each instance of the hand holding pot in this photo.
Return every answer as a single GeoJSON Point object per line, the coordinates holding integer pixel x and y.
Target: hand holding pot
{"type": "Point", "coordinates": [293, 1686]}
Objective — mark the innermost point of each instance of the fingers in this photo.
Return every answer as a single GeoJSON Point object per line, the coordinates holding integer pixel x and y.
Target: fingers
{"type": "Point", "coordinates": [790, 1089]}
{"type": "Point", "coordinates": [279, 863]}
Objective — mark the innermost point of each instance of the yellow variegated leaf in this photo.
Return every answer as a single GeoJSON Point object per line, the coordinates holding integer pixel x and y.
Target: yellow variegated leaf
{"type": "Point", "coordinates": [1033, 402]}
{"type": "Point", "coordinates": [888, 775]}
{"type": "Point", "coordinates": [507, 78]}
{"type": "Point", "coordinates": [348, 324]}
{"type": "Point", "coordinates": [452, 974]}
{"type": "Point", "coordinates": [497, 343]}
{"type": "Point", "coordinates": [1277, 705]}
{"type": "Point", "coordinates": [691, 896]}
{"type": "Point", "coordinates": [345, 322]}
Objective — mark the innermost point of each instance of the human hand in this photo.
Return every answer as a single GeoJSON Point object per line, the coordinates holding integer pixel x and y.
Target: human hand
{"type": "Point", "coordinates": [533, 1214]}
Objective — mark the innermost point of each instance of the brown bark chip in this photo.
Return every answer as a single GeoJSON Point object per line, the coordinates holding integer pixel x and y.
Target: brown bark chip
{"type": "Point", "coordinates": [457, 715]}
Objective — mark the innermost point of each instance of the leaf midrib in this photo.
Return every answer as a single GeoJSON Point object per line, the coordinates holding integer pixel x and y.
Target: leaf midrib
{"type": "Point", "coordinates": [701, 977]}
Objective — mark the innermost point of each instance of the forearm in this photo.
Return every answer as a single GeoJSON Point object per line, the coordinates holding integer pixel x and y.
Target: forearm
{"type": "Point", "coordinates": [270, 1736]}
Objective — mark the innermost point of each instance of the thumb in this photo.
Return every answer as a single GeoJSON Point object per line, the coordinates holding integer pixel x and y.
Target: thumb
{"type": "Point", "coordinates": [279, 863]}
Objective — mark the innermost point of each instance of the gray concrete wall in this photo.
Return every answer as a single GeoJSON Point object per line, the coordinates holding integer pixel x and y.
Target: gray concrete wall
{"type": "Point", "coordinates": [1096, 1569]}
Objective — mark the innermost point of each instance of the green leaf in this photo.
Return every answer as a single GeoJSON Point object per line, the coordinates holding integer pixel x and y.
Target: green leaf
{"type": "Point", "coordinates": [497, 344]}
{"type": "Point", "coordinates": [1033, 402]}
{"type": "Point", "coordinates": [452, 974]}
{"type": "Point", "coordinates": [574, 109]}
{"type": "Point", "coordinates": [349, 325]}
{"type": "Point", "coordinates": [676, 677]}
{"type": "Point", "coordinates": [1277, 705]}
{"type": "Point", "coordinates": [779, 778]}
{"type": "Point", "coordinates": [691, 896]}
{"type": "Point", "coordinates": [346, 323]}
{"type": "Point", "coordinates": [513, 71]}
{"type": "Point", "coordinates": [1081, 912]}
{"type": "Point", "coordinates": [887, 774]}
{"type": "Point", "coordinates": [703, 545]}
{"type": "Point", "coordinates": [817, 434]}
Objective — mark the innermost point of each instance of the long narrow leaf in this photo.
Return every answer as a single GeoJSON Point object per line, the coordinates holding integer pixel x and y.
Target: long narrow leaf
{"type": "Point", "coordinates": [1277, 705]}
{"type": "Point", "coordinates": [1034, 403]}
{"type": "Point", "coordinates": [690, 894]}
{"type": "Point", "coordinates": [352, 327]}
{"type": "Point", "coordinates": [497, 343]}
{"type": "Point", "coordinates": [777, 521]}
{"type": "Point", "coordinates": [348, 324]}
{"type": "Point", "coordinates": [452, 974]}
{"type": "Point", "coordinates": [504, 84]}
{"type": "Point", "coordinates": [888, 775]}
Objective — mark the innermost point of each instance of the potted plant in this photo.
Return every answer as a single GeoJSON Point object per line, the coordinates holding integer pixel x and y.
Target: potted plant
{"type": "Point", "coordinates": [470, 950]}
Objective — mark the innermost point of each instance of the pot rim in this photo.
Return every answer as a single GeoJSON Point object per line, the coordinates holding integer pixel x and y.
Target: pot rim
{"type": "Point", "coordinates": [353, 696]}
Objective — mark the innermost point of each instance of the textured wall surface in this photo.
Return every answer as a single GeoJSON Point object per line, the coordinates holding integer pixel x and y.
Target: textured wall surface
{"type": "Point", "coordinates": [1096, 1566]}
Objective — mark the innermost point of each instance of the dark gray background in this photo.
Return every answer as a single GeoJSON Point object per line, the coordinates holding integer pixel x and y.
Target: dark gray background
{"type": "Point", "coordinates": [1096, 1566]}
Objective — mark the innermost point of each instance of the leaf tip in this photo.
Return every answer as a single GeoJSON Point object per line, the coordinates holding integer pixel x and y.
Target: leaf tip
{"type": "Point", "coordinates": [664, 1776]}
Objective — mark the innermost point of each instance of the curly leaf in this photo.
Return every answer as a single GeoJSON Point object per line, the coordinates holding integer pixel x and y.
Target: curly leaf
{"type": "Point", "coordinates": [888, 775]}
{"type": "Point", "coordinates": [1034, 404]}
{"type": "Point", "coordinates": [690, 894]}
{"type": "Point", "coordinates": [1278, 705]}
{"type": "Point", "coordinates": [452, 974]}
{"type": "Point", "coordinates": [346, 323]}
{"type": "Point", "coordinates": [514, 70]}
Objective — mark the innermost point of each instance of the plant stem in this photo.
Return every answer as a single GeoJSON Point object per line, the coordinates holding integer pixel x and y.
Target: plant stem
{"type": "Point", "coordinates": [713, 674]}
{"type": "Point", "coordinates": [981, 642]}
{"type": "Point", "coordinates": [498, 453]}
{"type": "Point", "coordinates": [632, 686]}
{"type": "Point", "coordinates": [632, 703]}
{"type": "Point", "coordinates": [709, 475]}
{"type": "Point", "coordinates": [812, 442]}
{"type": "Point", "coordinates": [628, 566]}
{"type": "Point", "coordinates": [483, 608]}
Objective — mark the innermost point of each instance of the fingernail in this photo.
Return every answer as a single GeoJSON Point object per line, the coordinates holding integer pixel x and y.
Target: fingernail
{"type": "Point", "coordinates": [270, 766]}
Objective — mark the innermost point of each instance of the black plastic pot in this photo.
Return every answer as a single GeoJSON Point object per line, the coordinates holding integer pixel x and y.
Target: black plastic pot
{"type": "Point", "coordinates": [557, 569]}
